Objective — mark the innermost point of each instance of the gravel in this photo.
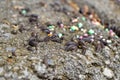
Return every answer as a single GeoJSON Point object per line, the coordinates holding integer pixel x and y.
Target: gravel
{"type": "Point", "coordinates": [51, 61]}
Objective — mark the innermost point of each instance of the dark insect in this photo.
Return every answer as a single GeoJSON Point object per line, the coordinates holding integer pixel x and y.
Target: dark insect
{"type": "Point", "coordinates": [59, 23]}
{"type": "Point", "coordinates": [70, 46]}
{"type": "Point", "coordinates": [33, 18]}
{"type": "Point", "coordinates": [21, 28]}
{"type": "Point", "coordinates": [83, 46]}
{"type": "Point", "coordinates": [14, 32]}
{"type": "Point", "coordinates": [33, 41]}
{"type": "Point", "coordinates": [71, 43]}
{"type": "Point", "coordinates": [44, 29]}
{"type": "Point", "coordinates": [13, 53]}
{"type": "Point", "coordinates": [99, 44]}
{"type": "Point", "coordinates": [54, 38]}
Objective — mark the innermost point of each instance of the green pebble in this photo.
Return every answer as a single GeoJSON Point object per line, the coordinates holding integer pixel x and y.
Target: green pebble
{"type": "Point", "coordinates": [24, 12]}
{"type": "Point", "coordinates": [80, 25]}
{"type": "Point", "coordinates": [83, 18]}
{"type": "Point", "coordinates": [60, 35]}
{"type": "Point", "coordinates": [73, 28]}
{"type": "Point", "coordinates": [116, 37]}
{"type": "Point", "coordinates": [106, 30]}
{"type": "Point", "coordinates": [91, 32]}
{"type": "Point", "coordinates": [51, 27]}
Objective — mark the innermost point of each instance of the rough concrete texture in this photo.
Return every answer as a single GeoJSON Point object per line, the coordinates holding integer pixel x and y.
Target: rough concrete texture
{"type": "Point", "coordinates": [50, 61]}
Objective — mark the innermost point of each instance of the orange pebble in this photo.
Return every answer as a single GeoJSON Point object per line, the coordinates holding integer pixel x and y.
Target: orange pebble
{"type": "Point", "coordinates": [50, 34]}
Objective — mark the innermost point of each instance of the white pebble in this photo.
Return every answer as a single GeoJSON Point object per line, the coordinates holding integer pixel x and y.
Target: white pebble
{"type": "Point", "coordinates": [82, 76]}
{"type": "Point", "coordinates": [108, 73]}
{"type": "Point", "coordinates": [109, 41]}
{"type": "Point", "coordinates": [107, 62]}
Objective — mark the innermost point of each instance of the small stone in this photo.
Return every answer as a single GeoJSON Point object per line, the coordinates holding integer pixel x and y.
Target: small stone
{"type": "Point", "coordinates": [85, 35]}
{"type": "Point", "coordinates": [50, 62]}
{"type": "Point", "coordinates": [9, 67]}
{"type": "Point", "coordinates": [7, 35]}
{"type": "Point", "coordinates": [83, 18]}
{"type": "Point", "coordinates": [2, 78]}
{"type": "Point", "coordinates": [82, 76]}
{"type": "Point", "coordinates": [11, 49]}
{"type": "Point", "coordinates": [61, 25]}
{"type": "Point", "coordinates": [102, 27]}
{"type": "Point", "coordinates": [107, 62]}
{"type": "Point", "coordinates": [96, 23]}
{"type": "Point", "coordinates": [101, 36]}
{"type": "Point", "coordinates": [26, 72]}
{"type": "Point", "coordinates": [112, 34]}
{"type": "Point", "coordinates": [74, 20]}
{"type": "Point", "coordinates": [92, 40]}
{"type": "Point", "coordinates": [106, 30]}
{"type": "Point", "coordinates": [24, 11]}
{"type": "Point", "coordinates": [51, 27]}
{"type": "Point", "coordinates": [16, 68]}
{"type": "Point", "coordinates": [64, 29]}
{"type": "Point", "coordinates": [2, 62]}
{"type": "Point", "coordinates": [91, 32]}
{"type": "Point", "coordinates": [18, 7]}
{"type": "Point", "coordinates": [15, 76]}
{"type": "Point", "coordinates": [108, 41]}
{"type": "Point", "coordinates": [80, 25]}
{"type": "Point", "coordinates": [117, 56]}
{"type": "Point", "coordinates": [40, 68]}
{"type": "Point", "coordinates": [14, 32]}
{"type": "Point", "coordinates": [2, 71]}
{"type": "Point", "coordinates": [73, 28]}
{"type": "Point", "coordinates": [50, 34]}
{"type": "Point", "coordinates": [5, 25]}
{"type": "Point", "coordinates": [32, 58]}
{"type": "Point", "coordinates": [15, 27]}
{"type": "Point", "coordinates": [60, 35]}
{"type": "Point", "coordinates": [83, 30]}
{"type": "Point", "coordinates": [34, 77]}
{"type": "Point", "coordinates": [8, 74]}
{"type": "Point", "coordinates": [108, 72]}
{"type": "Point", "coordinates": [77, 36]}
{"type": "Point", "coordinates": [81, 37]}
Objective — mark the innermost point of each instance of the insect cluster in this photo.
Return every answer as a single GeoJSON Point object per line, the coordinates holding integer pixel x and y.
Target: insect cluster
{"type": "Point", "coordinates": [72, 44]}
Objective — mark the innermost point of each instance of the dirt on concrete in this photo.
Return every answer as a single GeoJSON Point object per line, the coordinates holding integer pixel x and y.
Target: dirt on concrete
{"type": "Point", "coordinates": [49, 60]}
